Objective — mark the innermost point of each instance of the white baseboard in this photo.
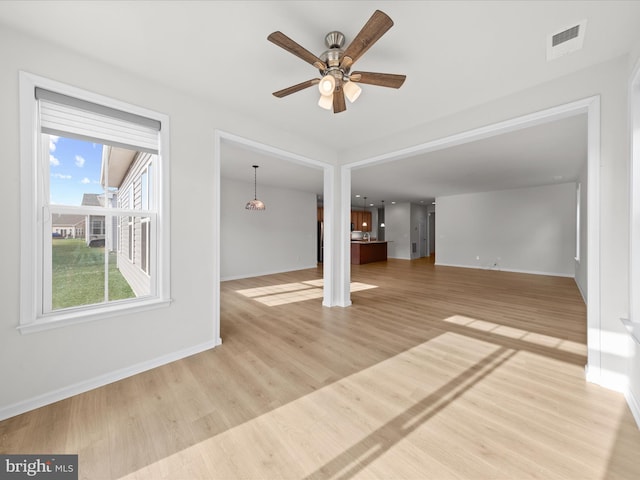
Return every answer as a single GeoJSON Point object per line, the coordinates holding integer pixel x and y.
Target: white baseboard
{"type": "Point", "coordinates": [584, 297]}
{"type": "Point", "coordinates": [502, 269]}
{"type": "Point", "coordinates": [269, 272]}
{"type": "Point", "coordinates": [101, 380]}
{"type": "Point", "coordinates": [618, 382]}
{"type": "Point", "coordinates": [634, 405]}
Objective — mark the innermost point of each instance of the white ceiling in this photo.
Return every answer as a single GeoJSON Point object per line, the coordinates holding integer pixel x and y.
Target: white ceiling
{"type": "Point", "coordinates": [455, 54]}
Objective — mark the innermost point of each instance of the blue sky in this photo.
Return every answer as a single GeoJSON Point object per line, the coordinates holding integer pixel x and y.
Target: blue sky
{"type": "Point", "coordinates": [74, 169]}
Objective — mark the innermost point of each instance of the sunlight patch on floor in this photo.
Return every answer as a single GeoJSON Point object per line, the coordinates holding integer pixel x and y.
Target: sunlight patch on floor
{"type": "Point", "coordinates": [359, 424]}
{"type": "Point", "coordinates": [272, 289]}
{"type": "Point", "coordinates": [285, 293]}
{"type": "Point", "coordinates": [291, 297]}
{"type": "Point", "coordinates": [519, 334]}
{"type": "Point", "coordinates": [408, 414]}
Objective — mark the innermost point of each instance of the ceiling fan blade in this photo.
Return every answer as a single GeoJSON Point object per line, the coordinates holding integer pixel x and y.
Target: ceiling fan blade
{"type": "Point", "coordinates": [377, 26]}
{"type": "Point", "coordinates": [296, 88]}
{"type": "Point", "coordinates": [390, 80]}
{"type": "Point", "coordinates": [339, 105]}
{"type": "Point", "coordinates": [289, 45]}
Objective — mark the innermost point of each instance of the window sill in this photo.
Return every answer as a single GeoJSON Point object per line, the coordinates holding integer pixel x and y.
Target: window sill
{"type": "Point", "coordinates": [83, 316]}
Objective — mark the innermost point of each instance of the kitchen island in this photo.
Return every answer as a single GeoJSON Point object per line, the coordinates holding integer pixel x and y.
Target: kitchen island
{"type": "Point", "coordinates": [363, 251]}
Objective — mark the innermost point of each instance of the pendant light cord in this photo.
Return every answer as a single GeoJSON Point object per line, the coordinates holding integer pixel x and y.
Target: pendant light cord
{"type": "Point", "coordinates": [255, 182]}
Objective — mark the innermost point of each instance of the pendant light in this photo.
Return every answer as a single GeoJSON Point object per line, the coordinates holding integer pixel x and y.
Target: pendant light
{"type": "Point", "coordinates": [255, 204]}
{"type": "Point", "coordinates": [382, 208]}
{"type": "Point", "coordinates": [364, 223]}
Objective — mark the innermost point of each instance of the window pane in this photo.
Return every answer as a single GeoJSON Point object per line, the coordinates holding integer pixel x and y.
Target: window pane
{"type": "Point", "coordinates": [119, 287]}
{"type": "Point", "coordinates": [133, 260]}
{"type": "Point", "coordinates": [80, 170]}
{"type": "Point", "coordinates": [77, 273]}
{"type": "Point", "coordinates": [144, 245]}
{"type": "Point", "coordinates": [144, 191]}
{"type": "Point", "coordinates": [150, 182]}
{"type": "Point", "coordinates": [74, 172]}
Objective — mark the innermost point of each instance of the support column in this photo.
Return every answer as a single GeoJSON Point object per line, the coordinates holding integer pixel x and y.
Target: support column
{"type": "Point", "coordinates": [337, 253]}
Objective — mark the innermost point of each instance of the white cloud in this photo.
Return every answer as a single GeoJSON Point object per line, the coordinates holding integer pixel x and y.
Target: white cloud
{"type": "Point", "coordinates": [53, 161]}
{"type": "Point", "coordinates": [85, 180]}
{"type": "Point", "coordinates": [79, 161]}
{"type": "Point", "coordinates": [53, 139]}
{"type": "Point", "coordinates": [61, 176]}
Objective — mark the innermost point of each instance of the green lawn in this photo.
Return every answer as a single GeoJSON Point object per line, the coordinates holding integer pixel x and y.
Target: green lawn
{"type": "Point", "coordinates": [78, 275]}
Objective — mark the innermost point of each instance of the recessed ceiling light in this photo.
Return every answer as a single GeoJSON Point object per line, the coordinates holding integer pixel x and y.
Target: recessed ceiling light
{"type": "Point", "coordinates": [557, 177]}
{"type": "Point", "coordinates": [357, 196]}
{"type": "Point", "coordinates": [393, 203]}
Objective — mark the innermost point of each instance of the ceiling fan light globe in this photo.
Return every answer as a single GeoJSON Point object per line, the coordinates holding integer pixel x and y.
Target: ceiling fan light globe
{"type": "Point", "coordinates": [326, 102]}
{"type": "Point", "coordinates": [327, 85]}
{"type": "Point", "coordinates": [352, 91]}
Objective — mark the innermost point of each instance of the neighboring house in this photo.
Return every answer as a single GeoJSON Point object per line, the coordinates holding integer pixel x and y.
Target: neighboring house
{"type": "Point", "coordinates": [68, 226]}
{"type": "Point", "coordinates": [94, 226]}
{"type": "Point", "coordinates": [129, 176]}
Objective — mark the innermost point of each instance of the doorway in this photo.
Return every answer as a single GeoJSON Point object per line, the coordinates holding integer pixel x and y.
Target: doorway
{"type": "Point", "coordinates": [591, 108]}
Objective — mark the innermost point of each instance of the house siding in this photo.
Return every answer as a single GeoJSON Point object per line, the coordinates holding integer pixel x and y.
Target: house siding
{"type": "Point", "coordinates": [130, 251]}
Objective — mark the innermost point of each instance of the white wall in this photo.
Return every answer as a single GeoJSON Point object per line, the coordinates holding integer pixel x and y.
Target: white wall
{"type": "Point", "coordinates": [45, 366]}
{"type": "Point", "coordinates": [526, 230]}
{"type": "Point", "coordinates": [279, 239]}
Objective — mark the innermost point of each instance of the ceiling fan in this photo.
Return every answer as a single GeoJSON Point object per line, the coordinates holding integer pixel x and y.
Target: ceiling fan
{"type": "Point", "coordinates": [334, 65]}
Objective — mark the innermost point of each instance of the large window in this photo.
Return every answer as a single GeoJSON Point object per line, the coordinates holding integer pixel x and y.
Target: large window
{"type": "Point", "coordinates": [91, 157]}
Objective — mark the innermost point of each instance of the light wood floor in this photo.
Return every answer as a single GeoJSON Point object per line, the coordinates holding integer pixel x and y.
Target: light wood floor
{"type": "Point", "coordinates": [436, 373]}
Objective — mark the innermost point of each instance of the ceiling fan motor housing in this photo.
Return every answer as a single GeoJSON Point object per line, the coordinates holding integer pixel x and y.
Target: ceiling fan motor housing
{"type": "Point", "coordinates": [334, 39]}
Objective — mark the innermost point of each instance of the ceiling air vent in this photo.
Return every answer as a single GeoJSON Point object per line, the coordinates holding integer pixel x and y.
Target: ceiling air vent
{"type": "Point", "coordinates": [566, 40]}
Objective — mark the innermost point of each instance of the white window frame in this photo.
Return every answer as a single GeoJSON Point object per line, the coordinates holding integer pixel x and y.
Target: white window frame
{"type": "Point", "coordinates": [33, 209]}
{"type": "Point", "coordinates": [578, 226]}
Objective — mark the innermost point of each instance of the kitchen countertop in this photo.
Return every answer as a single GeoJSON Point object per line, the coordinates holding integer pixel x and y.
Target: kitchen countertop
{"type": "Point", "coordinates": [368, 241]}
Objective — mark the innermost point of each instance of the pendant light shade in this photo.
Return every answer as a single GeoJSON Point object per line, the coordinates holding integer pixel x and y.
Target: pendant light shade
{"type": "Point", "coordinates": [352, 91]}
{"type": "Point", "coordinates": [255, 204]}
{"type": "Point", "coordinates": [326, 102]}
{"type": "Point", "coordinates": [327, 85]}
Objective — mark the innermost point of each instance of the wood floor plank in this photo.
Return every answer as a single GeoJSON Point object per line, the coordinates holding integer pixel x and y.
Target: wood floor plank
{"type": "Point", "coordinates": [433, 372]}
